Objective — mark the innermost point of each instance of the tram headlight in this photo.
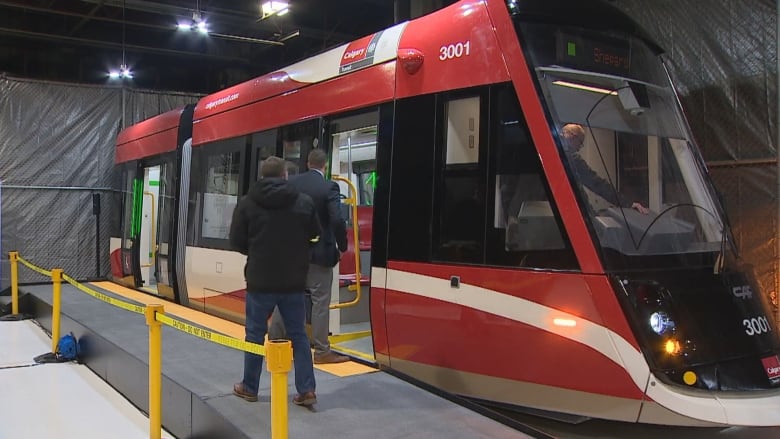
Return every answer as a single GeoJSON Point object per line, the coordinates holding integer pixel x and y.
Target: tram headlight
{"type": "Point", "coordinates": [661, 323]}
{"type": "Point", "coordinates": [672, 347]}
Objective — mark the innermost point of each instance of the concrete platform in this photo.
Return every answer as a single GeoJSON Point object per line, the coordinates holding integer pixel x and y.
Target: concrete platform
{"type": "Point", "coordinates": [198, 379]}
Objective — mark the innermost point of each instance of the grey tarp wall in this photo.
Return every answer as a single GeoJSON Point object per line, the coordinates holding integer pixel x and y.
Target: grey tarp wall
{"type": "Point", "coordinates": [723, 56]}
{"type": "Point", "coordinates": [56, 150]}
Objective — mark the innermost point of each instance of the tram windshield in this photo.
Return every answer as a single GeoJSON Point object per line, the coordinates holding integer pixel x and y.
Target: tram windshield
{"type": "Point", "coordinates": [640, 179]}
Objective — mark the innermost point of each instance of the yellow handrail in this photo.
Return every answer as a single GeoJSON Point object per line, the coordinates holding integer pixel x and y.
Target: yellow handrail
{"type": "Point", "coordinates": [352, 201]}
{"type": "Point", "coordinates": [153, 241]}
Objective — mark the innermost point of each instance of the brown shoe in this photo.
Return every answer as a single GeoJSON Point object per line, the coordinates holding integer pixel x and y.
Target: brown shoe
{"type": "Point", "coordinates": [330, 357]}
{"type": "Point", "coordinates": [240, 391]}
{"type": "Point", "coordinates": [307, 399]}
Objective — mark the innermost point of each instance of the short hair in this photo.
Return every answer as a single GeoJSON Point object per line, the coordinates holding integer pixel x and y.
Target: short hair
{"type": "Point", "coordinates": [272, 167]}
{"type": "Point", "coordinates": [317, 158]}
{"type": "Point", "coordinates": [573, 134]}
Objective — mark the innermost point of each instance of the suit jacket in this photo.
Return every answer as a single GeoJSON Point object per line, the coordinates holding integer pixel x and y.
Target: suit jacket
{"type": "Point", "coordinates": [325, 194]}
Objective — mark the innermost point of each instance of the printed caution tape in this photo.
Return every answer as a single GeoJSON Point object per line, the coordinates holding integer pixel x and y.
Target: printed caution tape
{"type": "Point", "coordinates": [199, 332]}
{"type": "Point", "coordinates": [104, 297]}
{"type": "Point", "coordinates": [33, 267]}
{"type": "Point", "coordinates": [211, 336]}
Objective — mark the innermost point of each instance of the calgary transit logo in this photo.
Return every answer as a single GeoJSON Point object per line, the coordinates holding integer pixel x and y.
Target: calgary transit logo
{"type": "Point", "coordinates": [772, 368]}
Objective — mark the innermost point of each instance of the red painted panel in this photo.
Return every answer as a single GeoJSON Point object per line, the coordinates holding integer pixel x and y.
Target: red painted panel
{"type": "Point", "coordinates": [609, 308]}
{"type": "Point", "coordinates": [271, 84]}
{"type": "Point", "coordinates": [363, 88]}
{"type": "Point", "coordinates": [459, 49]}
{"type": "Point", "coordinates": [448, 335]}
{"type": "Point", "coordinates": [378, 324]}
{"type": "Point", "coordinates": [157, 143]}
{"type": "Point", "coordinates": [540, 131]}
{"type": "Point", "coordinates": [116, 264]}
{"type": "Point", "coordinates": [365, 225]}
{"type": "Point", "coordinates": [568, 292]}
{"type": "Point", "coordinates": [152, 136]}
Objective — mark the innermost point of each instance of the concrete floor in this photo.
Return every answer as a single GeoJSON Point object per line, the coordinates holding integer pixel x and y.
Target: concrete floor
{"type": "Point", "coordinates": [50, 400]}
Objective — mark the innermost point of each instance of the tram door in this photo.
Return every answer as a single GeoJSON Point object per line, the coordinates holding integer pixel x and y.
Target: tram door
{"type": "Point", "coordinates": [353, 141]}
{"type": "Point", "coordinates": [155, 217]}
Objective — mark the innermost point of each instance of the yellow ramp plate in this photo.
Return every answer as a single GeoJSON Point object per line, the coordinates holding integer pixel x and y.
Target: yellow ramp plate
{"type": "Point", "coordinates": [345, 369]}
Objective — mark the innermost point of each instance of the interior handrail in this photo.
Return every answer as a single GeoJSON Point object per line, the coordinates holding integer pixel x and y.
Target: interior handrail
{"type": "Point", "coordinates": [153, 241]}
{"type": "Point", "coordinates": [352, 201]}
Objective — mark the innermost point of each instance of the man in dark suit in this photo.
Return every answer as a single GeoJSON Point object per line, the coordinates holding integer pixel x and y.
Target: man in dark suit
{"type": "Point", "coordinates": [324, 255]}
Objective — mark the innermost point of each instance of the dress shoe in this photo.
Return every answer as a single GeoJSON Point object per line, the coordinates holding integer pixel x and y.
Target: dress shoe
{"type": "Point", "coordinates": [240, 391]}
{"type": "Point", "coordinates": [306, 399]}
{"type": "Point", "coordinates": [330, 357]}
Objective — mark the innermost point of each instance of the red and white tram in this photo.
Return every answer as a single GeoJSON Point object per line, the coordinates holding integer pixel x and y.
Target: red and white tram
{"type": "Point", "coordinates": [498, 269]}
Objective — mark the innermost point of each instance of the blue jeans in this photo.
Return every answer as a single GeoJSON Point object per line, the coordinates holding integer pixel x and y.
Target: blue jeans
{"type": "Point", "coordinates": [259, 307]}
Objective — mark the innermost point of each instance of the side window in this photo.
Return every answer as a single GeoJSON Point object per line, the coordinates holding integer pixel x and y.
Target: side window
{"type": "Point", "coordinates": [297, 141]}
{"type": "Point", "coordinates": [525, 227]}
{"type": "Point", "coordinates": [220, 195]}
{"type": "Point", "coordinates": [461, 193]}
{"type": "Point", "coordinates": [263, 146]}
{"type": "Point", "coordinates": [411, 179]}
{"type": "Point", "coordinates": [216, 188]}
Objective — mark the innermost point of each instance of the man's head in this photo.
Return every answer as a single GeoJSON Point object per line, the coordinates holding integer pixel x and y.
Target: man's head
{"type": "Point", "coordinates": [317, 159]}
{"type": "Point", "coordinates": [573, 137]}
{"type": "Point", "coordinates": [273, 167]}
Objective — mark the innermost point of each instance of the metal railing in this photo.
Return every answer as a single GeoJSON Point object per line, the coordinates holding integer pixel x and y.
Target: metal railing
{"type": "Point", "coordinates": [277, 352]}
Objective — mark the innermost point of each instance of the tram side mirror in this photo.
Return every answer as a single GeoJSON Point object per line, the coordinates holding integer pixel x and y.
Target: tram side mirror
{"type": "Point", "coordinates": [634, 98]}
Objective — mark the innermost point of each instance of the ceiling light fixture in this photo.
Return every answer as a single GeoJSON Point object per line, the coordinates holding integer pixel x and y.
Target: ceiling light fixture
{"type": "Point", "coordinates": [124, 71]}
{"type": "Point", "coordinates": [197, 24]}
{"type": "Point", "coordinates": [271, 7]}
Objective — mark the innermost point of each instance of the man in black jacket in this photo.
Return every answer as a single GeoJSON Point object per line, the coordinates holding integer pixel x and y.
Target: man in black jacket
{"type": "Point", "coordinates": [274, 225]}
{"type": "Point", "coordinates": [324, 255]}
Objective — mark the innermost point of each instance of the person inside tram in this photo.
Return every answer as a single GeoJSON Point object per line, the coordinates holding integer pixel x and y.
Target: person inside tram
{"type": "Point", "coordinates": [573, 136]}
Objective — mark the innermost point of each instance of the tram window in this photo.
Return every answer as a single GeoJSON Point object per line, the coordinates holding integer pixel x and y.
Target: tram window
{"type": "Point", "coordinates": [354, 157]}
{"type": "Point", "coordinates": [264, 146]}
{"type": "Point", "coordinates": [461, 194]}
{"type": "Point", "coordinates": [526, 229]}
{"type": "Point", "coordinates": [463, 131]}
{"type": "Point", "coordinates": [218, 178]}
{"type": "Point", "coordinates": [220, 195]}
{"type": "Point", "coordinates": [410, 207]}
{"type": "Point", "coordinates": [297, 141]}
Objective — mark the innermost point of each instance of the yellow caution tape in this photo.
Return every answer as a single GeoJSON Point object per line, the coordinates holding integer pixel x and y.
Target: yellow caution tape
{"type": "Point", "coordinates": [215, 337]}
{"type": "Point", "coordinates": [205, 334]}
{"type": "Point", "coordinates": [104, 297]}
{"type": "Point", "coordinates": [33, 267]}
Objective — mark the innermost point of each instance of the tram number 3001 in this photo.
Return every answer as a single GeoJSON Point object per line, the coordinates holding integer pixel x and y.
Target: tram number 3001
{"type": "Point", "coordinates": [756, 325]}
{"type": "Point", "coordinates": [452, 51]}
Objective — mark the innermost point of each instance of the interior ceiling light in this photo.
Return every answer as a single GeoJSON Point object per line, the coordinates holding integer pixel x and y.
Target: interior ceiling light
{"type": "Point", "coordinates": [272, 7]}
{"type": "Point", "coordinates": [585, 87]}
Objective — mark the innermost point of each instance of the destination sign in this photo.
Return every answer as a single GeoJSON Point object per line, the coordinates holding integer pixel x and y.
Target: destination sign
{"type": "Point", "coordinates": [597, 54]}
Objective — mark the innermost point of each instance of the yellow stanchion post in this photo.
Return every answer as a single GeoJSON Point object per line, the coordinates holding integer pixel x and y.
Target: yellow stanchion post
{"type": "Point", "coordinates": [56, 305]}
{"type": "Point", "coordinates": [14, 258]}
{"type": "Point", "coordinates": [155, 370]}
{"type": "Point", "coordinates": [278, 354]}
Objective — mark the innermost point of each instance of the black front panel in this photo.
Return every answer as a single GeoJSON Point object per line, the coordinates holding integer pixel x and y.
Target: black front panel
{"type": "Point", "coordinates": [382, 191]}
{"type": "Point", "coordinates": [412, 178]}
{"type": "Point", "coordinates": [717, 326]}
